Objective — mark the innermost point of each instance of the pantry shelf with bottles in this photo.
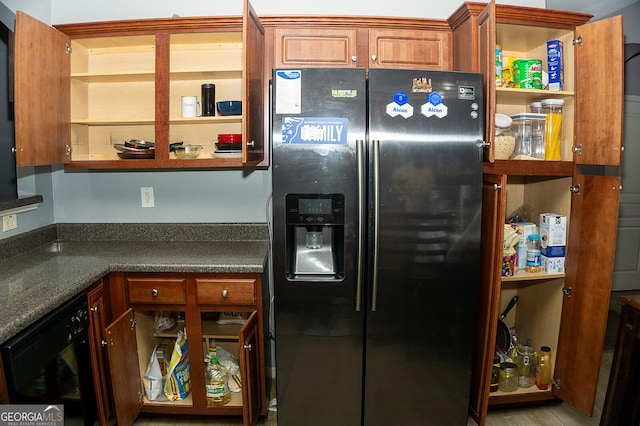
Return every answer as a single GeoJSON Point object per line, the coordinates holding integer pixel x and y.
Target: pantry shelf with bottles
{"type": "Point", "coordinates": [552, 308]}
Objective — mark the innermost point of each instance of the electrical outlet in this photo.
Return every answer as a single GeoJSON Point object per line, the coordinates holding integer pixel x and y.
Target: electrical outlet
{"type": "Point", "coordinates": [9, 222]}
{"type": "Point", "coordinates": [146, 193]}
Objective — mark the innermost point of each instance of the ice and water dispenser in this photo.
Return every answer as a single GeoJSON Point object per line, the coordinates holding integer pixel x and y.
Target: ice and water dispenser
{"type": "Point", "coordinates": [315, 236]}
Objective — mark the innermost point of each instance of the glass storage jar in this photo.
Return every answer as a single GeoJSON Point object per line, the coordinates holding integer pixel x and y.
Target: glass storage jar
{"type": "Point", "coordinates": [527, 360]}
{"type": "Point", "coordinates": [508, 377]}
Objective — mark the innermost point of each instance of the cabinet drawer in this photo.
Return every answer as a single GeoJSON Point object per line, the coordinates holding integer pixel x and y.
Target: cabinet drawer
{"type": "Point", "coordinates": [227, 292]}
{"type": "Point", "coordinates": [156, 290]}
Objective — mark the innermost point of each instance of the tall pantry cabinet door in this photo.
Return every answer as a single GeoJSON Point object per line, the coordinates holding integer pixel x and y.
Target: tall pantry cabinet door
{"type": "Point", "coordinates": [42, 93]}
{"type": "Point", "coordinates": [253, 120]}
{"type": "Point", "coordinates": [493, 213]}
{"type": "Point", "coordinates": [486, 51]}
{"type": "Point", "coordinates": [592, 233]}
{"type": "Point", "coordinates": [599, 87]}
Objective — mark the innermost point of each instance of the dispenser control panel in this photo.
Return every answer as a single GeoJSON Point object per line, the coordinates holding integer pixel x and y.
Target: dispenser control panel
{"type": "Point", "coordinates": [315, 209]}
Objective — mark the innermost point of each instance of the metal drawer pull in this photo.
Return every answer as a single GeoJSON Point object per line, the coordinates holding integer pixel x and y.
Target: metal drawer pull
{"type": "Point", "coordinates": [225, 293]}
{"type": "Point", "coordinates": [247, 347]}
{"type": "Point", "coordinates": [154, 292]}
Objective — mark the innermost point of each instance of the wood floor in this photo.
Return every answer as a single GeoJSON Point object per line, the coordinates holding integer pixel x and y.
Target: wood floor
{"type": "Point", "coordinates": [559, 414]}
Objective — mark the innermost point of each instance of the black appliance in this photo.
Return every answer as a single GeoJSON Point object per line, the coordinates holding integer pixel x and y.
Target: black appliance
{"type": "Point", "coordinates": [50, 363]}
{"type": "Point", "coordinates": [377, 187]}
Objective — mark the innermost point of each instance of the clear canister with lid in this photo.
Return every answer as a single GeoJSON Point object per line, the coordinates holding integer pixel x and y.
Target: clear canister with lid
{"type": "Point", "coordinates": [552, 108]}
{"type": "Point", "coordinates": [535, 107]}
{"type": "Point", "coordinates": [505, 142]}
{"type": "Point", "coordinates": [528, 129]}
{"type": "Point", "coordinates": [534, 263]}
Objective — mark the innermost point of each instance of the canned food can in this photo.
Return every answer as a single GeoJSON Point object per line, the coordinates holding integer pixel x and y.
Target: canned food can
{"type": "Point", "coordinates": [527, 73]}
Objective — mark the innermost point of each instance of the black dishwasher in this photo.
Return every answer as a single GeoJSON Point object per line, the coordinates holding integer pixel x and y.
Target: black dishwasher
{"type": "Point", "coordinates": [49, 363]}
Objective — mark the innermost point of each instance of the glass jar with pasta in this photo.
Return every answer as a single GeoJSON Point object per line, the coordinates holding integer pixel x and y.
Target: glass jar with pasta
{"type": "Point", "coordinates": [552, 108]}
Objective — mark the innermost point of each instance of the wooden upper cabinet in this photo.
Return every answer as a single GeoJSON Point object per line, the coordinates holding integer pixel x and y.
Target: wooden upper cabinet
{"type": "Point", "coordinates": [83, 90]}
{"type": "Point", "coordinates": [599, 86]}
{"type": "Point", "coordinates": [360, 43]}
{"type": "Point", "coordinates": [409, 49]}
{"type": "Point", "coordinates": [320, 47]}
{"type": "Point", "coordinates": [42, 98]}
{"type": "Point", "coordinates": [254, 147]}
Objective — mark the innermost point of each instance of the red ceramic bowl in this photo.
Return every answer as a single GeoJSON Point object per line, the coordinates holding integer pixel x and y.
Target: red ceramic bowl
{"type": "Point", "coordinates": [230, 137]}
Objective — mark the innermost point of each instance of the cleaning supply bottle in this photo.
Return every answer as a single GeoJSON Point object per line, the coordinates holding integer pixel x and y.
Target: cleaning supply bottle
{"type": "Point", "coordinates": [217, 380]}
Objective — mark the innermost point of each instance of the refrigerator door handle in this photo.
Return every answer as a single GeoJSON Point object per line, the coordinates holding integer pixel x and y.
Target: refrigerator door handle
{"type": "Point", "coordinates": [376, 221]}
{"type": "Point", "coordinates": [361, 221]}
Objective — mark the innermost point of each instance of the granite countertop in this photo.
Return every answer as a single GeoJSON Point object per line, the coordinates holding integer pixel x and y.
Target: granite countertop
{"type": "Point", "coordinates": [42, 270]}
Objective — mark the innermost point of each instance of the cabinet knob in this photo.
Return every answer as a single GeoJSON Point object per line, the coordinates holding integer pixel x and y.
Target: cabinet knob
{"type": "Point", "coordinates": [496, 187]}
{"type": "Point", "coordinates": [154, 292]}
{"type": "Point", "coordinates": [94, 309]}
{"type": "Point", "coordinates": [247, 347]}
{"type": "Point", "coordinates": [103, 343]}
{"type": "Point", "coordinates": [374, 58]}
{"type": "Point", "coordinates": [225, 293]}
{"type": "Point", "coordinates": [354, 58]}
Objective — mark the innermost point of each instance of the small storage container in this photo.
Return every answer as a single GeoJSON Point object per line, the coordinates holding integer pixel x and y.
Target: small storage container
{"type": "Point", "coordinates": [528, 129]}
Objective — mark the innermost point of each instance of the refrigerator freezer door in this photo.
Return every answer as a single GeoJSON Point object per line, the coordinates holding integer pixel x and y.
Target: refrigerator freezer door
{"type": "Point", "coordinates": [319, 332]}
{"type": "Point", "coordinates": [425, 198]}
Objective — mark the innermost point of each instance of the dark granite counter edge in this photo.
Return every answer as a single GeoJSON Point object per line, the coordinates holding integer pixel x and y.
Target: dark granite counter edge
{"type": "Point", "coordinates": [21, 243]}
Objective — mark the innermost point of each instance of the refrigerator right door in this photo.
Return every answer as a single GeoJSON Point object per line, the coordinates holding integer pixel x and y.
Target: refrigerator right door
{"type": "Point", "coordinates": [425, 159]}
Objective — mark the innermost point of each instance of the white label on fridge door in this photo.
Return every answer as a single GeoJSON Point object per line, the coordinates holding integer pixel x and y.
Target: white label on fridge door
{"type": "Point", "coordinates": [400, 106]}
{"type": "Point", "coordinates": [434, 106]}
{"type": "Point", "coordinates": [288, 92]}
{"type": "Point", "coordinates": [315, 130]}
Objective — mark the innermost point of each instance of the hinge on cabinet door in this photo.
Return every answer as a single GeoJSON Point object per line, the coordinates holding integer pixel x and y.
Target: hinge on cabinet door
{"type": "Point", "coordinates": [141, 396]}
{"type": "Point", "coordinates": [555, 383]}
{"type": "Point", "coordinates": [68, 149]}
{"type": "Point", "coordinates": [577, 41]}
{"type": "Point", "coordinates": [577, 149]}
{"type": "Point", "coordinates": [132, 323]}
{"type": "Point", "coordinates": [69, 48]}
{"type": "Point", "coordinates": [575, 189]}
{"type": "Point", "coordinates": [567, 291]}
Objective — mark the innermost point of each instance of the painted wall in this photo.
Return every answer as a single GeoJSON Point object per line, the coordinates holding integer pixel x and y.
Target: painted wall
{"type": "Point", "coordinates": [180, 196]}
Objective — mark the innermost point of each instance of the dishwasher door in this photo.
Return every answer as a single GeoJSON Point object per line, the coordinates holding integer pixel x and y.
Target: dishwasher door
{"type": "Point", "coordinates": [49, 363]}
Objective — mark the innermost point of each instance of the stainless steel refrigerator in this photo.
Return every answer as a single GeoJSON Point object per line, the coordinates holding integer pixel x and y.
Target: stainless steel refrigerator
{"type": "Point", "coordinates": [376, 244]}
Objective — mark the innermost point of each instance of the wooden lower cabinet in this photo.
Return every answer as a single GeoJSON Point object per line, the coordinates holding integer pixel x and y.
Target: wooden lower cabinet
{"type": "Point", "coordinates": [622, 403]}
{"type": "Point", "coordinates": [4, 393]}
{"type": "Point", "coordinates": [98, 300]}
{"type": "Point", "coordinates": [222, 311]}
{"type": "Point", "coordinates": [566, 311]}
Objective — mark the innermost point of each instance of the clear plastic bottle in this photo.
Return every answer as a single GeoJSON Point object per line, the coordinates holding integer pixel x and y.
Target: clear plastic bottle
{"type": "Point", "coordinates": [543, 370]}
{"type": "Point", "coordinates": [217, 380]}
{"type": "Point", "coordinates": [534, 263]}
